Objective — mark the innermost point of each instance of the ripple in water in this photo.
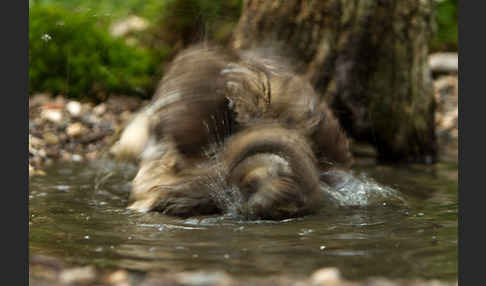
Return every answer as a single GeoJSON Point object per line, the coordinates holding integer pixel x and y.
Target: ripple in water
{"type": "Point", "coordinates": [361, 236]}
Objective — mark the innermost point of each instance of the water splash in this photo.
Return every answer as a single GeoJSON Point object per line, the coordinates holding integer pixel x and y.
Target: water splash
{"type": "Point", "coordinates": [361, 190]}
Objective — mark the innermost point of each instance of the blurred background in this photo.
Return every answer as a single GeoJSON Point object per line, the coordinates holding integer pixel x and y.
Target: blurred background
{"type": "Point", "coordinates": [89, 49]}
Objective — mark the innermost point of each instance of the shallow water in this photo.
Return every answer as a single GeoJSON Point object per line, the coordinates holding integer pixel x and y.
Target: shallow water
{"type": "Point", "coordinates": [77, 213]}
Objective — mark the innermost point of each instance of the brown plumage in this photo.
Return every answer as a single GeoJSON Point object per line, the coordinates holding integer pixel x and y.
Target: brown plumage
{"type": "Point", "coordinates": [223, 120]}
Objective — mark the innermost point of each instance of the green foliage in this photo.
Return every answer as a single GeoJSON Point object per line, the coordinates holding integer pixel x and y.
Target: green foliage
{"type": "Point", "coordinates": [446, 26]}
{"type": "Point", "coordinates": [72, 53]}
{"type": "Point", "coordinates": [111, 9]}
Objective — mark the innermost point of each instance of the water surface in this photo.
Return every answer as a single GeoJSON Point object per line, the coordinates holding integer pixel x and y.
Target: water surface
{"type": "Point", "coordinates": [77, 213]}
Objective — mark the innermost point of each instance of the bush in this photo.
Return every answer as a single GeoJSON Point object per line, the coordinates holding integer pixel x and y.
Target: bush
{"type": "Point", "coordinates": [73, 54]}
{"type": "Point", "coordinates": [446, 26]}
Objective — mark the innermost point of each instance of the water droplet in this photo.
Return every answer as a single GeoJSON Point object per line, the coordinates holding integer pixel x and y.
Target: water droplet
{"type": "Point", "coordinates": [322, 247]}
{"type": "Point", "coordinates": [305, 231]}
{"type": "Point", "coordinates": [420, 214]}
{"type": "Point", "coordinates": [62, 188]}
{"type": "Point", "coordinates": [86, 237]}
{"type": "Point", "coordinates": [46, 37]}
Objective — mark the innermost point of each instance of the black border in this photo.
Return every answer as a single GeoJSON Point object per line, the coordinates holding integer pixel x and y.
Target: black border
{"type": "Point", "coordinates": [14, 118]}
{"type": "Point", "coordinates": [471, 89]}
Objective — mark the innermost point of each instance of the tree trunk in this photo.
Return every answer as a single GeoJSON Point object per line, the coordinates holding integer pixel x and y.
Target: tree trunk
{"type": "Point", "coordinates": [368, 58]}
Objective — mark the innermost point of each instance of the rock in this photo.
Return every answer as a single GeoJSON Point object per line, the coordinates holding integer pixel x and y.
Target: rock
{"type": "Point", "coordinates": [65, 156]}
{"type": "Point", "coordinates": [63, 137]}
{"type": "Point", "coordinates": [447, 115]}
{"type": "Point", "coordinates": [326, 276]}
{"type": "Point", "coordinates": [118, 278]}
{"type": "Point", "coordinates": [35, 142]}
{"type": "Point", "coordinates": [76, 129]}
{"type": "Point", "coordinates": [203, 278]}
{"type": "Point", "coordinates": [31, 170]}
{"type": "Point", "coordinates": [76, 158]}
{"type": "Point", "coordinates": [100, 109]}
{"type": "Point", "coordinates": [90, 119]}
{"type": "Point", "coordinates": [87, 107]}
{"type": "Point", "coordinates": [92, 155]}
{"type": "Point", "coordinates": [52, 152]}
{"type": "Point", "coordinates": [74, 108]}
{"type": "Point", "coordinates": [60, 100]}
{"type": "Point", "coordinates": [78, 275]}
{"type": "Point", "coordinates": [36, 161]}
{"type": "Point", "coordinates": [444, 63]}
{"type": "Point", "coordinates": [53, 115]}
{"type": "Point", "coordinates": [39, 99]}
{"type": "Point", "coordinates": [69, 130]}
{"type": "Point", "coordinates": [50, 138]}
{"type": "Point", "coordinates": [42, 153]}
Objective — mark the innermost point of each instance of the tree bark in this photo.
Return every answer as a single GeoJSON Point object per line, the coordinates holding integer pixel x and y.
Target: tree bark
{"type": "Point", "coordinates": [367, 58]}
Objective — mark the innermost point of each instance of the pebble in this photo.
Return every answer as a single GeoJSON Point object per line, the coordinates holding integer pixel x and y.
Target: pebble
{"type": "Point", "coordinates": [326, 276]}
{"type": "Point", "coordinates": [203, 278]}
{"type": "Point", "coordinates": [35, 142]}
{"type": "Point", "coordinates": [76, 158]}
{"type": "Point", "coordinates": [119, 277]}
{"type": "Point", "coordinates": [53, 115]}
{"type": "Point", "coordinates": [84, 275]}
{"type": "Point", "coordinates": [60, 129]}
{"type": "Point", "coordinates": [39, 99]}
{"type": "Point", "coordinates": [31, 170]}
{"type": "Point", "coordinates": [74, 108]}
{"type": "Point", "coordinates": [99, 109]}
{"type": "Point", "coordinates": [444, 62]}
{"type": "Point", "coordinates": [65, 156]}
{"type": "Point", "coordinates": [76, 129]}
{"type": "Point", "coordinates": [51, 139]}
